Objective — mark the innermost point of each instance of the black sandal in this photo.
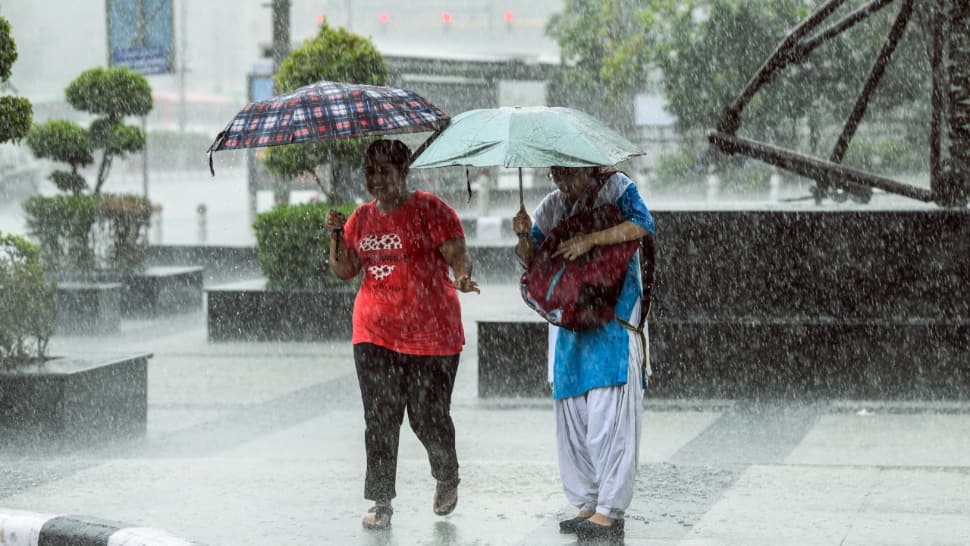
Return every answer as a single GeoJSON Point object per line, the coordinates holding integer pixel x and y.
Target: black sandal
{"type": "Point", "coordinates": [568, 526]}
{"type": "Point", "coordinates": [588, 530]}
{"type": "Point", "coordinates": [442, 490]}
{"type": "Point", "coordinates": [382, 517]}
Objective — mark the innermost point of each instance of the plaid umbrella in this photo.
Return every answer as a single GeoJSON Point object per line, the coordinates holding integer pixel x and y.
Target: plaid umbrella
{"type": "Point", "coordinates": [328, 110]}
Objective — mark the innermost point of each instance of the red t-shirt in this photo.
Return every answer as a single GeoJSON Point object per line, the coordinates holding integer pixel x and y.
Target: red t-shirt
{"type": "Point", "coordinates": [407, 302]}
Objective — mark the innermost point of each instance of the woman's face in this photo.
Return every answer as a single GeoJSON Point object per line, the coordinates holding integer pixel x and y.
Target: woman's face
{"type": "Point", "coordinates": [571, 181]}
{"type": "Point", "coordinates": [383, 179]}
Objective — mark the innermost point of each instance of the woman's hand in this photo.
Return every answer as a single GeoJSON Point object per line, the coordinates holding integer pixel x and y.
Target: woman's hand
{"type": "Point", "coordinates": [456, 255]}
{"type": "Point", "coordinates": [575, 247]}
{"type": "Point", "coordinates": [465, 283]}
{"type": "Point", "coordinates": [335, 220]}
{"type": "Point", "coordinates": [521, 223]}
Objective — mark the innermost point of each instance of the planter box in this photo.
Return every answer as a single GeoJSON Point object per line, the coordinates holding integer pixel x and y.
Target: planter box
{"type": "Point", "coordinates": [791, 359]}
{"type": "Point", "coordinates": [789, 304]}
{"type": "Point", "coordinates": [96, 304]}
{"type": "Point", "coordinates": [162, 289]}
{"type": "Point", "coordinates": [88, 307]}
{"type": "Point", "coordinates": [75, 399]}
{"type": "Point", "coordinates": [871, 359]}
{"type": "Point", "coordinates": [249, 311]}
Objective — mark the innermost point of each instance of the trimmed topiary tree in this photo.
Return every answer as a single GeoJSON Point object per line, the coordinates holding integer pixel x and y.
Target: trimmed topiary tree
{"type": "Point", "coordinates": [65, 142]}
{"type": "Point", "coordinates": [334, 54]}
{"type": "Point", "coordinates": [67, 228]}
{"type": "Point", "coordinates": [111, 94]}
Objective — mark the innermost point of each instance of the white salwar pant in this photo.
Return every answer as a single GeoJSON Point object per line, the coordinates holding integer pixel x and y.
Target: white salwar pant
{"type": "Point", "coordinates": [598, 441]}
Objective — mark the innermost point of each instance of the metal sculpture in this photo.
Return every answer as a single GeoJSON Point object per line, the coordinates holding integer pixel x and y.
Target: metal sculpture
{"type": "Point", "coordinates": [950, 49]}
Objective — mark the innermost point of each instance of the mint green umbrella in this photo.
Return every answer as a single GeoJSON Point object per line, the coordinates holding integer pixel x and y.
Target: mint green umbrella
{"type": "Point", "coordinates": [525, 136]}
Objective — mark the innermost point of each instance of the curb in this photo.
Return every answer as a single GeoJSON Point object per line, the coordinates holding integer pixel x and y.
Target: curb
{"type": "Point", "coordinates": [21, 528]}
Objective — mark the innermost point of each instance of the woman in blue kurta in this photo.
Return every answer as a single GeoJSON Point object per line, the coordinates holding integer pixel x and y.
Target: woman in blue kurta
{"type": "Point", "coordinates": [597, 375]}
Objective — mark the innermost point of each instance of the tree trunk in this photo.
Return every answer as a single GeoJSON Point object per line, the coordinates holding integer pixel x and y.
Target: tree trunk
{"type": "Point", "coordinates": [955, 189]}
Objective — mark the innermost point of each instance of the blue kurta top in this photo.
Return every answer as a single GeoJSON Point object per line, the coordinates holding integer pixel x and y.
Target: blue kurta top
{"type": "Point", "coordinates": [599, 357]}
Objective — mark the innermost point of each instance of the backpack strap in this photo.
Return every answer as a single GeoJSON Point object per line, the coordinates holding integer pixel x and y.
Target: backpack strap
{"type": "Point", "coordinates": [648, 256]}
{"type": "Point", "coordinates": [643, 344]}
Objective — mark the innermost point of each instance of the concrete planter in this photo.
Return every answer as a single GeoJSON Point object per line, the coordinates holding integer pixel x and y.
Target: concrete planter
{"type": "Point", "coordinates": [76, 398]}
{"type": "Point", "coordinates": [88, 307]}
{"type": "Point", "coordinates": [249, 311]}
{"type": "Point", "coordinates": [161, 290]}
{"type": "Point", "coordinates": [789, 304]}
{"type": "Point", "coordinates": [95, 304]}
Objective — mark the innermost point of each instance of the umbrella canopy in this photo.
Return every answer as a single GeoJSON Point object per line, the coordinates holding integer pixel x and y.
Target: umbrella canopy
{"type": "Point", "coordinates": [535, 136]}
{"type": "Point", "coordinates": [329, 110]}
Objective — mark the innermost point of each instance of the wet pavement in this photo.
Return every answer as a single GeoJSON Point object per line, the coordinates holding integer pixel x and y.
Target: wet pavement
{"type": "Point", "coordinates": [262, 443]}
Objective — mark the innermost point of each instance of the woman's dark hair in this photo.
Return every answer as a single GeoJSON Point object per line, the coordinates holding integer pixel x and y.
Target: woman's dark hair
{"type": "Point", "coordinates": [394, 152]}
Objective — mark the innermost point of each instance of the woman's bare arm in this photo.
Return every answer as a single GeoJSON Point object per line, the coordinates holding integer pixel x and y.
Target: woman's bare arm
{"type": "Point", "coordinates": [456, 255]}
{"type": "Point", "coordinates": [344, 263]}
{"type": "Point", "coordinates": [620, 233]}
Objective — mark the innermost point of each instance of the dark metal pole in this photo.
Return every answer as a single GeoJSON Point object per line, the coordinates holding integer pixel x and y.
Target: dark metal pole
{"type": "Point", "coordinates": [813, 168]}
{"type": "Point", "coordinates": [936, 65]}
{"type": "Point", "coordinates": [846, 23]}
{"type": "Point", "coordinates": [107, 26]}
{"type": "Point", "coordinates": [954, 190]}
{"type": "Point", "coordinates": [862, 102]}
{"type": "Point", "coordinates": [875, 74]}
{"type": "Point", "coordinates": [281, 48]}
{"type": "Point", "coordinates": [281, 32]}
{"type": "Point", "coordinates": [731, 117]}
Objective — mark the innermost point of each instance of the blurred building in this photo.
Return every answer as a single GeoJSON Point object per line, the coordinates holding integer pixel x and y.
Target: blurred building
{"type": "Point", "coordinates": [227, 39]}
{"type": "Point", "coordinates": [461, 54]}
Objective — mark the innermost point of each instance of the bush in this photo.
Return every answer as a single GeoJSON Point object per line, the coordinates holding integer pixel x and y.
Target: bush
{"type": "Point", "coordinates": [746, 175]}
{"type": "Point", "coordinates": [62, 224]}
{"type": "Point", "coordinates": [125, 219]}
{"type": "Point", "coordinates": [27, 302]}
{"type": "Point", "coordinates": [293, 245]}
{"type": "Point", "coordinates": [886, 156]}
{"type": "Point", "coordinates": [15, 116]}
{"type": "Point", "coordinates": [676, 170]}
{"type": "Point", "coordinates": [15, 112]}
{"type": "Point", "coordinates": [80, 234]}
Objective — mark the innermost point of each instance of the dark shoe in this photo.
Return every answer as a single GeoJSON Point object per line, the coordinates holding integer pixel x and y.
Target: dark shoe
{"type": "Point", "coordinates": [568, 526]}
{"type": "Point", "coordinates": [587, 530]}
{"type": "Point", "coordinates": [382, 517]}
{"type": "Point", "coordinates": [446, 497]}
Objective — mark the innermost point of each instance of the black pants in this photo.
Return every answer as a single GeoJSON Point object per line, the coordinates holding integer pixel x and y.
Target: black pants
{"type": "Point", "coordinates": [391, 382]}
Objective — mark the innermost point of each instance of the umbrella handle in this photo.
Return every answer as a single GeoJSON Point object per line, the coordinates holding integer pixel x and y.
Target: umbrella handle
{"type": "Point", "coordinates": [521, 199]}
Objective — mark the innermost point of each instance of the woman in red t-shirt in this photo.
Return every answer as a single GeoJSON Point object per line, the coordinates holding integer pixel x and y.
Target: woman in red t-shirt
{"type": "Point", "coordinates": [407, 321]}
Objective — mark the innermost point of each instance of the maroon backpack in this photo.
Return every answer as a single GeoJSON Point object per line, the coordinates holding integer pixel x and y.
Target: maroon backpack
{"type": "Point", "coordinates": [579, 294]}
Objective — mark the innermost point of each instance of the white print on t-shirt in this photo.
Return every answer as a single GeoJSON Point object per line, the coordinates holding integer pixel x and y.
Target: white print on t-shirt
{"type": "Point", "coordinates": [380, 272]}
{"type": "Point", "coordinates": [390, 241]}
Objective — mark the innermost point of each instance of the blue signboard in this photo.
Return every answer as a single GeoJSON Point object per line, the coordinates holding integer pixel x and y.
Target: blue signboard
{"type": "Point", "coordinates": [141, 35]}
{"type": "Point", "coordinates": [260, 87]}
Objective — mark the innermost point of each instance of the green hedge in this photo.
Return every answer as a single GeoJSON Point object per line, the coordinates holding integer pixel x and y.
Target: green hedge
{"type": "Point", "coordinates": [887, 156]}
{"type": "Point", "coordinates": [124, 220]}
{"type": "Point", "coordinates": [62, 225]}
{"type": "Point", "coordinates": [678, 170]}
{"type": "Point", "coordinates": [27, 302]}
{"type": "Point", "coordinates": [80, 234]}
{"type": "Point", "coordinates": [293, 245]}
